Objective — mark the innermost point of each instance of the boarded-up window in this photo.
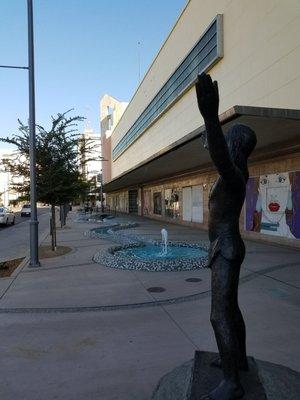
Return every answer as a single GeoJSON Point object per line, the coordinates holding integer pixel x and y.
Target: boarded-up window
{"type": "Point", "coordinates": [193, 203]}
{"type": "Point", "coordinates": [147, 202]}
{"type": "Point", "coordinates": [157, 209]}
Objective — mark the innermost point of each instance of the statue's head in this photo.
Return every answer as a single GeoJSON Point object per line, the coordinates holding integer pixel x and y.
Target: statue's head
{"type": "Point", "coordinates": [241, 141]}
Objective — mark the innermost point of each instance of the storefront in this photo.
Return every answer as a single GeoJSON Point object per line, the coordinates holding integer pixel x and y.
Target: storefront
{"type": "Point", "coordinates": [272, 206]}
{"type": "Point", "coordinates": [252, 49]}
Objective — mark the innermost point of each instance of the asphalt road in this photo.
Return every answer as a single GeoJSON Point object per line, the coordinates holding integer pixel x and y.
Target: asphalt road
{"type": "Point", "coordinates": [20, 219]}
{"type": "Point", "coordinates": [14, 239]}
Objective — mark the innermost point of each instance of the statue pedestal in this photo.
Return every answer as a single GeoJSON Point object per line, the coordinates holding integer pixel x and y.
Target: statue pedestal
{"type": "Point", "coordinates": [195, 378]}
{"type": "Point", "coordinates": [204, 378]}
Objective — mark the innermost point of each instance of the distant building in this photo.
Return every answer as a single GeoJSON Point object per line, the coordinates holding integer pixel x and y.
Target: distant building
{"type": "Point", "coordinates": [111, 111]}
{"type": "Point", "coordinates": [158, 167]}
{"type": "Point", "coordinates": [92, 167]}
{"type": "Point", "coordinates": [91, 164]}
{"type": "Point", "coordinates": [8, 180]}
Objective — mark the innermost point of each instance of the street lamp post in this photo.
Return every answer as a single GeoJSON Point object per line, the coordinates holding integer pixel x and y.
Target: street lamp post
{"type": "Point", "coordinates": [34, 257]}
{"type": "Point", "coordinates": [101, 190]}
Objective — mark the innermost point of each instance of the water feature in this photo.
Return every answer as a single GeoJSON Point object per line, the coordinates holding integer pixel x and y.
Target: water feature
{"type": "Point", "coordinates": [164, 241]}
{"type": "Point", "coordinates": [150, 251]}
{"type": "Point", "coordinates": [104, 229]}
{"type": "Point", "coordinates": [136, 252]}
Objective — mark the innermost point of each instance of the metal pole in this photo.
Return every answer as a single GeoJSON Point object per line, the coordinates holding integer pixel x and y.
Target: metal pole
{"type": "Point", "coordinates": [34, 257]}
{"type": "Point", "coordinates": [12, 66]}
{"type": "Point", "coordinates": [101, 190]}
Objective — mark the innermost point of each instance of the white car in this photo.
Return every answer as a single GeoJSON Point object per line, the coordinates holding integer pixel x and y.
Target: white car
{"type": "Point", "coordinates": [26, 210]}
{"type": "Point", "coordinates": [7, 216]}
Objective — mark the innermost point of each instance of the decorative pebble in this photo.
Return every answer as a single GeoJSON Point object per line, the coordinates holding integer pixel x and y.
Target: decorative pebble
{"type": "Point", "coordinates": [110, 257]}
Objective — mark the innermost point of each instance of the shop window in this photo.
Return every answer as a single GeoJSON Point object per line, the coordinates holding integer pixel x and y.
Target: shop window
{"type": "Point", "coordinates": [133, 201]}
{"type": "Point", "coordinates": [172, 203]}
{"type": "Point", "coordinates": [147, 202]}
{"type": "Point", "coordinates": [157, 208]}
{"type": "Point", "coordinates": [192, 203]}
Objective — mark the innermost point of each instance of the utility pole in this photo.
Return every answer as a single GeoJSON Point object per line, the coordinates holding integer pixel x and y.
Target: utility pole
{"type": "Point", "coordinates": [34, 241]}
{"type": "Point", "coordinates": [101, 190]}
{"type": "Point", "coordinates": [34, 258]}
{"type": "Point", "coordinates": [139, 61]}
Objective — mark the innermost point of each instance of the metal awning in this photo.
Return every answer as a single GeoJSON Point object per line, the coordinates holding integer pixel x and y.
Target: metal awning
{"type": "Point", "coordinates": [277, 130]}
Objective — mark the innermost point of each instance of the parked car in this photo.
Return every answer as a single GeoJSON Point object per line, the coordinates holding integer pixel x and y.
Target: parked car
{"type": "Point", "coordinates": [7, 216]}
{"type": "Point", "coordinates": [26, 210]}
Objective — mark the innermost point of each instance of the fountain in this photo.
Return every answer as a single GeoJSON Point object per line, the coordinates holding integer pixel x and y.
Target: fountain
{"type": "Point", "coordinates": [164, 242]}
{"type": "Point", "coordinates": [140, 253]}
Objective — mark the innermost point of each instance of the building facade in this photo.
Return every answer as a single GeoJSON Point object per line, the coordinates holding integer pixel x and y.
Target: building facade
{"type": "Point", "coordinates": [92, 161]}
{"type": "Point", "coordinates": [111, 111]}
{"type": "Point", "coordinates": [8, 182]}
{"type": "Point", "coordinates": [158, 166]}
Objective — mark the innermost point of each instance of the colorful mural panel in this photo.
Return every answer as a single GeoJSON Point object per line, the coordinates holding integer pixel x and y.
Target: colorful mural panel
{"type": "Point", "coordinates": [273, 204]}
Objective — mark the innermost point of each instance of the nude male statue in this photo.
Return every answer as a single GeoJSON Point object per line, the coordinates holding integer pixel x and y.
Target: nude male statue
{"type": "Point", "coordinates": [227, 251]}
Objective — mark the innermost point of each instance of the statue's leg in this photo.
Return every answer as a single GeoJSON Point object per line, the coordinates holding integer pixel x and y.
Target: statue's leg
{"type": "Point", "coordinates": [241, 337]}
{"type": "Point", "coordinates": [225, 275]}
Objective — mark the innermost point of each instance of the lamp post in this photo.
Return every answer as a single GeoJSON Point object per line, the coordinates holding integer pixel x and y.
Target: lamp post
{"type": "Point", "coordinates": [101, 190]}
{"type": "Point", "coordinates": [34, 260]}
{"type": "Point", "coordinates": [34, 241]}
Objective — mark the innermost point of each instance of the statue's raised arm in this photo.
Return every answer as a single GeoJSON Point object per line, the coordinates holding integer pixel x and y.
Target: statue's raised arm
{"type": "Point", "coordinates": [208, 103]}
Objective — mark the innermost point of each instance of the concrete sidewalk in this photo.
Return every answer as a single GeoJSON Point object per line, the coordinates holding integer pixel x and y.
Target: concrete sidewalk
{"type": "Point", "coordinates": [73, 329]}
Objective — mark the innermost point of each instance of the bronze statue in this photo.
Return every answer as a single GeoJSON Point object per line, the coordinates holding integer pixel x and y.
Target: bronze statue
{"type": "Point", "coordinates": [227, 251]}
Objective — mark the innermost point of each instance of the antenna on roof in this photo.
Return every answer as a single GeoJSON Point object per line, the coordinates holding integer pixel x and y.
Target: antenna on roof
{"type": "Point", "coordinates": [139, 60]}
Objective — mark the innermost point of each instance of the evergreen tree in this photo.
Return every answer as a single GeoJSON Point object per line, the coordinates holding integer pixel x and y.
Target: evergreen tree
{"type": "Point", "coordinates": [60, 156]}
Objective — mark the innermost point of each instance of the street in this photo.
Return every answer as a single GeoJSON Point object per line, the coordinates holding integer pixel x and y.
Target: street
{"type": "Point", "coordinates": [20, 219]}
{"type": "Point", "coordinates": [14, 239]}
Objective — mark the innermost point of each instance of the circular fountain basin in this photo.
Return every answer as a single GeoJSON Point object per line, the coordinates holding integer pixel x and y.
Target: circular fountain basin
{"type": "Point", "coordinates": [148, 257]}
{"type": "Point", "coordinates": [155, 252]}
{"type": "Point", "coordinates": [109, 228]}
{"type": "Point", "coordinates": [103, 230]}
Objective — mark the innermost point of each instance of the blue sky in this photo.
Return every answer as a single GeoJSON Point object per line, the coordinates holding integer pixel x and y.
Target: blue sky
{"type": "Point", "coordinates": [83, 49]}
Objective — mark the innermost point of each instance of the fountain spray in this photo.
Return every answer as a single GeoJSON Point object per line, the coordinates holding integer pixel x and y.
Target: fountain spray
{"type": "Point", "coordinates": [164, 240]}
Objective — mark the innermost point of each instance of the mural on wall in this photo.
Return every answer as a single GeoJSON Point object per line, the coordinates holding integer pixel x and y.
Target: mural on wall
{"type": "Point", "coordinates": [273, 204]}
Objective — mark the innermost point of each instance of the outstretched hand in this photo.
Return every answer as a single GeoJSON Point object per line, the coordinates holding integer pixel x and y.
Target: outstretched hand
{"type": "Point", "coordinates": [207, 97]}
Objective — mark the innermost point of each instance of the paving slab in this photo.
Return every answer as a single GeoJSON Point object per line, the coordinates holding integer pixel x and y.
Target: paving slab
{"type": "Point", "coordinates": [121, 354]}
{"type": "Point", "coordinates": [77, 286]}
{"type": "Point", "coordinates": [107, 356]}
{"type": "Point", "coordinates": [271, 313]}
{"type": "Point", "coordinates": [258, 262]}
{"type": "Point", "coordinates": [174, 283]}
{"type": "Point", "coordinates": [4, 285]}
{"type": "Point", "coordinates": [289, 275]}
{"type": "Point", "coordinates": [82, 254]}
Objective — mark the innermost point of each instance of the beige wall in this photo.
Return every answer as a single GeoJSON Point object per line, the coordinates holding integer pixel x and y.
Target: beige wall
{"type": "Point", "coordinates": [261, 67]}
{"type": "Point", "coordinates": [111, 110]}
{"type": "Point", "coordinates": [288, 163]}
{"type": "Point", "coordinates": [118, 201]}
